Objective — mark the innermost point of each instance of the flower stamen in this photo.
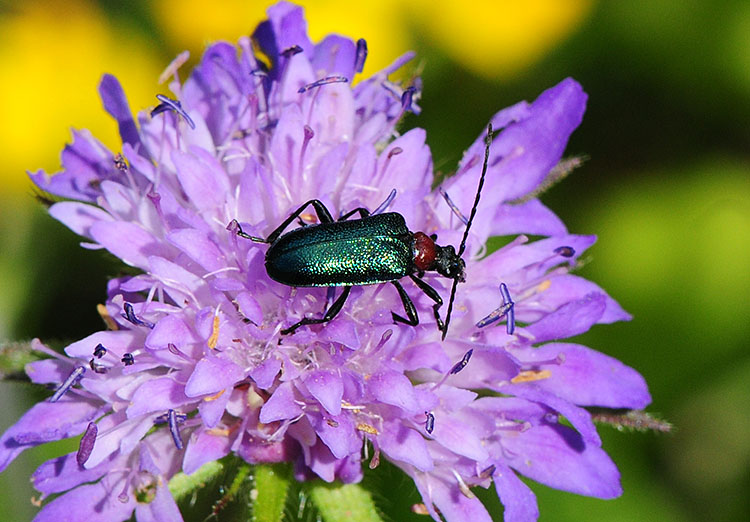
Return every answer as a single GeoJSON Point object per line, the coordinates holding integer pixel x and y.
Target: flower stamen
{"type": "Point", "coordinates": [323, 81]}
{"type": "Point", "coordinates": [453, 206]}
{"type": "Point", "coordinates": [460, 365]}
{"type": "Point", "coordinates": [507, 309]}
{"type": "Point", "coordinates": [172, 420]}
{"type": "Point", "coordinates": [86, 446]}
{"type": "Point", "coordinates": [429, 423]}
{"type": "Point", "coordinates": [366, 428]}
{"type": "Point", "coordinates": [134, 319]}
{"type": "Point", "coordinates": [531, 376]}
{"type": "Point", "coordinates": [385, 204]}
{"type": "Point", "coordinates": [565, 251]}
{"type": "Point", "coordinates": [361, 56]}
{"type": "Point", "coordinates": [462, 485]}
{"type": "Point", "coordinates": [72, 379]}
{"type": "Point", "coordinates": [214, 338]}
{"type": "Point", "coordinates": [168, 104]}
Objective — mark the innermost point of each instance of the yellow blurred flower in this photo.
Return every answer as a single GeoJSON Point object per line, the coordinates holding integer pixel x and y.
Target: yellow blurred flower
{"type": "Point", "coordinates": [496, 39]}
{"type": "Point", "coordinates": [187, 23]}
{"type": "Point", "coordinates": [52, 55]}
{"type": "Point", "coordinates": [493, 38]}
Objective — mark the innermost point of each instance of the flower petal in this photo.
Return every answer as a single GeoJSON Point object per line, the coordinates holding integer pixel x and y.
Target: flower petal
{"type": "Point", "coordinates": [587, 377]}
{"type": "Point", "coordinates": [519, 502]}
{"type": "Point", "coordinates": [327, 387]}
{"type": "Point", "coordinates": [558, 457]}
{"type": "Point", "coordinates": [393, 388]}
{"type": "Point", "coordinates": [281, 405]}
{"type": "Point", "coordinates": [211, 375]}
{"type": "Point", "coordinates": [204, 447]}
{"type": "Point", "coordinates": [406, 445]}
{"type": "Point", "coordinates": [116, 104]}
{"type": "Point", "coordinates": [88, 502]}
{"type": "Point", "coordinates": [570, 319]}
{"type": "Point", "coordinates": [46, 422]}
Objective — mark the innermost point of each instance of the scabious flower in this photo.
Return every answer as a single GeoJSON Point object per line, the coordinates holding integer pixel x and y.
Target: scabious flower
{"type": "Point", "coordinates": [194, 367]}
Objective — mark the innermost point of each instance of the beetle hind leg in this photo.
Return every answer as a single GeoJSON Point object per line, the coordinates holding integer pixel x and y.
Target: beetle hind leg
{"type": "Point", "coordinates": [332, 312]}
{"type": "Point", "coordinates": [363, 213]}
{"type": "Point", "coordinates": [324, 216]}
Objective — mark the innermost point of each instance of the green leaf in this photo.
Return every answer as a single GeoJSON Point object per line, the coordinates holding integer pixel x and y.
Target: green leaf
{"type": "Point", "coordinates": [182, 485]}
{"type": "Point", "coordinates": [344, 502]}
{"type": "Point", "coordinates": [271, 488]}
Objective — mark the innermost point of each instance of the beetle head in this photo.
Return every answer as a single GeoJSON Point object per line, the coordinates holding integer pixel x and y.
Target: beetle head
{"type": "Point", "coordinates": [449, 264]}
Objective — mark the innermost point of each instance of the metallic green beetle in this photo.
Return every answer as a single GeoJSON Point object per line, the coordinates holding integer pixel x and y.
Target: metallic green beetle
{"type": "Point", "coordinates": [374, 249]}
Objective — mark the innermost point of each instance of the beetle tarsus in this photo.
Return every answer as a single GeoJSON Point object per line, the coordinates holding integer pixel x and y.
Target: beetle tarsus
{"type": "Point", "coordinates": [332, 312]}
{"type": "Point", "coordinates": [363, 213]}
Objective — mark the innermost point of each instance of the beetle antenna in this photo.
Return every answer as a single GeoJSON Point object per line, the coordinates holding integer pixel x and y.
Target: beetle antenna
{"type": "Point", "coordinates": [487, 143]}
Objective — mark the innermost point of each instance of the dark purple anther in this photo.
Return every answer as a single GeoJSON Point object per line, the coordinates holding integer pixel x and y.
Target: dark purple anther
{"type": "Point", "coordinates": [323, 81]}
{"type": "Point", "coordinates": [120, 163]}
{"type": "Point", "coordinates": [453, 206]}
{"type": "Point", "coordinates": [76, 374]}
{"type": "Point", "coordinates": [164, 418]}
{"type": "Point", "coordinates": [128, 359]}
{"type": "Point", "coordinates": [510, 324]}
{"type": "Point", "coordinates": [505, 310]}
{"type": "Point", "coordinates": [487, 472]}
{"type": "Point", "coordinates": [176, 351]}
{"type": "Point", "coordinates": [429, 423]}
{"type": "Point", "coordinates": [130, 316]}
{"type": "Point", "coordinates": [330, 294]}
{"type": "Point", "coordinates": [168, 104]}
{"type": "Point", "coordinates": [395, 151]}
{"type": "Point", "coordinates": [173, 429]}
{"type": "Point", "coordinates": [96, 367]}
{"type": "Point", "coordinates": [86, 446]}
{"type": "Point", "coordinates": [407, 97]}
{"type": "Point", "coordinates": [291, 51]}
{"type": "Point", "coordinates": [460, 365]}
{"type": "Point", "coordinates": [359, 61]}
{"type": "Point", "coordinates": [100, 351]}
{"type": "Point", "coordinates": [384, 205]}
{"type": "Point", "coordinates": [565, 251]}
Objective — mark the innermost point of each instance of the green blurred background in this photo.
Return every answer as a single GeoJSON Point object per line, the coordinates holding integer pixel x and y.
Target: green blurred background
{"type": "Point", "coordinates": [667, 189]}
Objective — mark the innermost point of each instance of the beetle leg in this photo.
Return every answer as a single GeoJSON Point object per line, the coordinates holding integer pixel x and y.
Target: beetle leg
{"type": "Point", "coordinates": [324, 216]}
{"type": "Point", "coordinates": [332, 312]}
{"type": "Point", "coordinates": [432, 294]}
{"type": "Point", "coordinates": [411, 312]}
{"type": "Point", "coordinates": [363, 213]}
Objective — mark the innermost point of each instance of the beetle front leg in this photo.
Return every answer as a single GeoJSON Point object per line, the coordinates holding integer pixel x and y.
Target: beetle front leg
{"type": "Point", "coordinates": [432, 294]}
{"type": "Point", "coordinates": [332, 312]}
{"type": "Point", "coordinates": [409, 308]}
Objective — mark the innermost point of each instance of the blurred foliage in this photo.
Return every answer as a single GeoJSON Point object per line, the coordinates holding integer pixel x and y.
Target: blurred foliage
{"type": "Point", "coordinates": [667, 189]}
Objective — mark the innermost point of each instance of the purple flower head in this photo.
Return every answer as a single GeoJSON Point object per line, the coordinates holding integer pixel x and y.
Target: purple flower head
{"type": "Point", "coordinates": [196, 366]}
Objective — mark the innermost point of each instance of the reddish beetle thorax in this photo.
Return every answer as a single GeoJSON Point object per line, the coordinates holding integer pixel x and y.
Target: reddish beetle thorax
{"type": "Point", "coordinates": [425, 251]}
